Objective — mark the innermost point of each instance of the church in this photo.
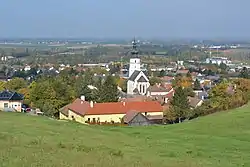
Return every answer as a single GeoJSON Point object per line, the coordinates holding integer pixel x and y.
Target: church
{"type": "Point", "coordinates": [138, 83]}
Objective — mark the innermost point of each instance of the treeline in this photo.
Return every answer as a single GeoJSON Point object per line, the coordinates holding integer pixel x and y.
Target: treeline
{"type": "Point", "coordinates": [49, 94]}
{"type": "Point", "coordinates": [223, 96]}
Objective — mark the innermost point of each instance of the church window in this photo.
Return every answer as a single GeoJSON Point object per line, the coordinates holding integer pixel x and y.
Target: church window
{"type": "Point", "coordinates": [140, 89]}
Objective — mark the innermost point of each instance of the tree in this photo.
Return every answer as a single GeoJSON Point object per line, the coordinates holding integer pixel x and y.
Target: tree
{"type": "Point", "coordinates": [223, 66]}
{"type": "Point", "coordinates": [43, 93]}
{"type": "Point", "coordinates": [26, 93]}
{"type": "Point", "coordinates": [162, 73]}
{"type": "Point", "coordinates": [197, 85]}
{"type": "Point", "coordinates": [2, 85]}
{"type": "Point", "coordinates": [189, 75]}
{"type": "Point", "coordinates": [220, 97]}
{"type": "Point", "coordinates": [244, 73]}
{"type": "Point", "coordinates": [154, 80]}
{"type": "Point", "coordinates": [108, 91]}
{"type": "Point", "coordinates": [15, 84]}
{"type": "Point", "coordinates": [181, 81]}
{"type": "Point", "coordinates": [189, 91]}
{"type": "Point", "coordinates": [64, 94]}
{"type": "Point", "coordinates": [82, 86]}
{"type": "Point", "coordinates": [122, 83]}
{"type": "Point", "coordinates": [179, 105]}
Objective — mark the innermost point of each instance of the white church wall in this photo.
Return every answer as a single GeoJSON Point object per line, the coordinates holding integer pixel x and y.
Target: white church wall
{"type": "Point", "coordinates": [134, 64]}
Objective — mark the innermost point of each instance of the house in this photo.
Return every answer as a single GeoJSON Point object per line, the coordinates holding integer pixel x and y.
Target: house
{"type": "Point", "coordinates": [167, 79]}
{"type": "Point", "coordinates": [138, 82]}
{"type": "Point", "coordinates": [182, 72]}
{"type": "Point", "coordinates": [89, 112]}
{"type": "Point", "coordinates": [3, 77]}
{"type": "Point", "coordinates": [27, 68]}
{"type": "Point", "coordinates": [159, 89]}
{"type": "Point", "coordinates": [195, 102]}
{"type": "Point", "coordinates": [11, 101]}
{"type": "Point", "coordinates": [218, 60]}
{"type": "Point", "coordinates": [135, 118]}
{"type": "Point", "coordinates": [160, 92]}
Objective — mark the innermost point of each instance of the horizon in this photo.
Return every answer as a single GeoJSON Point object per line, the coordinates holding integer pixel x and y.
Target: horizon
{"type": "Point", "coordinates": [190, 19]}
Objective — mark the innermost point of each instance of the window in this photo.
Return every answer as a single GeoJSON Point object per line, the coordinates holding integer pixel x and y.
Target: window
{"type": "Point", "coordinates": [94, 120]}
{"type": "Point", "coordinates": [140, 88]}
{"type": "Point", "coordinates": [88, 119]}
{"type": "Point", "coordinates": [146, 113]}
{"type": "Point", "coordinates": [98, 119]}
{"type": "Point", "coordinates": [73, 118]}
{"type": "Point", "coordinates": [5, 105]}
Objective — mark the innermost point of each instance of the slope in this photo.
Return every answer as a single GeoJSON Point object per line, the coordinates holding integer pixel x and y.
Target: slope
{"type": "Point", "coordinates": [221, 139]}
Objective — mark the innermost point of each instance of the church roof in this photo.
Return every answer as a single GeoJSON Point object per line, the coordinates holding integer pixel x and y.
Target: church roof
{"type": "Point", "coordinates": [142, 79]}
{"type": "Point", "coordinates": [134, 75]}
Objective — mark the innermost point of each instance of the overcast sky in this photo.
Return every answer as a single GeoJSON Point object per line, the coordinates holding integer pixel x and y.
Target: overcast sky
{"type": "Point", "coordinates": [125, 18]}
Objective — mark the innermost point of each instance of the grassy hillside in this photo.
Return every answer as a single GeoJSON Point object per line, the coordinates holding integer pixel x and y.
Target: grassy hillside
{"type": "Point", "coordinates": [219, 140]}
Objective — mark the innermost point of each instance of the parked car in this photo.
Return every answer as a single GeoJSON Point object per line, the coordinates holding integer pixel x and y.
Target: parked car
{"type": "Point", "coordinates": [25, 108]}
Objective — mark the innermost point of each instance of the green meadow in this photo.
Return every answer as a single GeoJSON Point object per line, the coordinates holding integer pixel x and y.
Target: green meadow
{"type": "Point", "coordinates": [218, 140]}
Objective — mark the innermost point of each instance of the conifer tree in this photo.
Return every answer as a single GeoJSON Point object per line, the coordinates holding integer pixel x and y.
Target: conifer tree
{"type": "Point", "coordinates": [179, 105]}
{"type": "Point", "coordinates": [197, 85]}
{"type": "Point", "coordinates": [109, 91]}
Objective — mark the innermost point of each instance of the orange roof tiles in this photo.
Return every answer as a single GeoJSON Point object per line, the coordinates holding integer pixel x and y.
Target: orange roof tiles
{"type": "Point", "coordinates": [83, 107]}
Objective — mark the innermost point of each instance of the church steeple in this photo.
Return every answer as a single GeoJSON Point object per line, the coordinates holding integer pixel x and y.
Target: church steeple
{"type": "Point", "coordinates": [134, 49]}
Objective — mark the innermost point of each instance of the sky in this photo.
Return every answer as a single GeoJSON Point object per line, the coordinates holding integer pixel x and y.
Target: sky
{"type": "Point", "coordinates": [125, 18]}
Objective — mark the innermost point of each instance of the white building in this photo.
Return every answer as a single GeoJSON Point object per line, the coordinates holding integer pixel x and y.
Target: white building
{"type": "Point", "coordinates": [134, 65]}
{"type": "Point", "coordinates": [27, 68]}
{"type": "Point", "coordinates": [138, 83]}
{"type": "Point", "coordinates": [218, 60]}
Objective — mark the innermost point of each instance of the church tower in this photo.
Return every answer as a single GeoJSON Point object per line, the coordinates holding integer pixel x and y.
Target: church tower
{"type": "Point", "coordinates": [134, 63]}
{"type": "Point", "coordinates": [138, 83]}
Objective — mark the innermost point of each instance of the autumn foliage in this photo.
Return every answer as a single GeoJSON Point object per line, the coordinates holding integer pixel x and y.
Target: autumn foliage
{"type": "Point", "coordinates": [224, 96]}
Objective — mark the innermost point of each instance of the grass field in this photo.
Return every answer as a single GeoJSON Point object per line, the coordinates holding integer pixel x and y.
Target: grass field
{"type": "Point", "coordinates": [219, 140]}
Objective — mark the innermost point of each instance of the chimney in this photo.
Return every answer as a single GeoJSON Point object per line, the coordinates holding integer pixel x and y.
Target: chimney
{"type": "Point", "coordinates": [82, 98]}
{"type": "Point", "coordinates": [124, 103]}
{"type": "Point", "coordinates": [91, 103]}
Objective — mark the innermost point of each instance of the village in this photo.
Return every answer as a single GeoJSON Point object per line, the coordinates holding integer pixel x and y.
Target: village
{"type": "Point", "coordinates": [142, 98]}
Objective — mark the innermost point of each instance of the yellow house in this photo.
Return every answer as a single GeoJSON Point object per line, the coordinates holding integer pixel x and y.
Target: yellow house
{"type": "Point", "coordinates": [11, 101]}
{"type": "Point", "coordinates": [90, 112]}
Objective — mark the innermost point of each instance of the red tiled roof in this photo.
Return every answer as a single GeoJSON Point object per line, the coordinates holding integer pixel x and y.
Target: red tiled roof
{"type": "Point", "coordinates": [182, 72]}
{"type": "Point", "coordinates": [79, 106]}
{"type": "Point", "coordinates": [170, 94]}
{"type": "Point", "coordinates": [168, 86]}
{"type": "Point", "coordinates": [157, 88]}
{"type": "Point", "coordinates": [83, 107]}
{"type": "Point", "coordinates": [129, 116]}
{"type": "Point", "coordinates": [167, 78]}
{"type": "Point", "coordinates": [136, 98]}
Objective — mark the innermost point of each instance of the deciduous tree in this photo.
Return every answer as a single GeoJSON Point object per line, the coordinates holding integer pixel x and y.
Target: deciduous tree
{"type": "Point", "coordinates": [15, 84]}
